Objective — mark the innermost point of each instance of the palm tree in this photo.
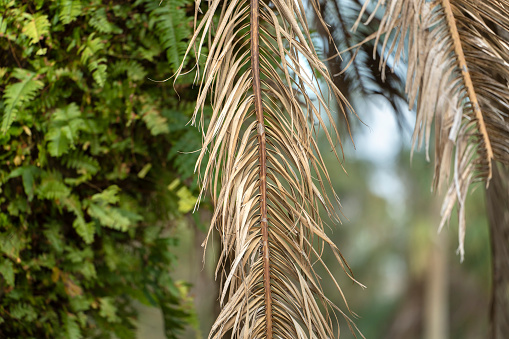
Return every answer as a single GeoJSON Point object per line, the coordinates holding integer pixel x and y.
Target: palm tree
{"type": "Point", "coordinates": [261, 163]}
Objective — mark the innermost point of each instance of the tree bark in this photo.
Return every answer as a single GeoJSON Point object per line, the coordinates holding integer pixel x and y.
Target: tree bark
{"type": "Point", "coordinates": [497, 205]}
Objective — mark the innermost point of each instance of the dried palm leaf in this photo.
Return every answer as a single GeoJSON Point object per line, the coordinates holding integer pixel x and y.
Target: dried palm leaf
{"type": "Point", "coordinates": [458, 73]}
{"type": "Point", "coordinates": [261, 164]}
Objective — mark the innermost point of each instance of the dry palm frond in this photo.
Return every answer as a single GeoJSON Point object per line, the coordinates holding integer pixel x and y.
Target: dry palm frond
{"type": "Point", "coordinates": [458, 71]}
{"type": "Point", "coordinates": [356, 73]}
{"type": "Point", "coordinates": [263, 168]}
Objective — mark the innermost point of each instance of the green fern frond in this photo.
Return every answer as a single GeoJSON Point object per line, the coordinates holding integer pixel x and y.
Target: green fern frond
{"type": "Point", "coordinates": [17, 94]}
{"type": "Point", "coordinates": [98, 70]}
{"type": "Point", "coordinates": [92, 46]}
{"type": "Point", "coordinates": [36, 27]}
{"type": "Point", "coordinates": [64, 130]}
{"type": "Point", "coordinates": [82, 163]}
{"type": "Point", "coordinates": [171, 27]}
{"type": "Point", "coordinates": [100, 22]}
{"type": "Point", "coordinates": [156, 123]}
{"type": "Point", "coordinates": [72, 328]}
{"type": "Point", "coordinates": [7, 271]}
{"type": "Point", "coordinates": [134, 69]}
{"type": "Point", "coordinates": [52, 188]}
{"type": "Point", "coordinates": [85, 230]}
{"type": "Point", "coordinates": [70, 10]}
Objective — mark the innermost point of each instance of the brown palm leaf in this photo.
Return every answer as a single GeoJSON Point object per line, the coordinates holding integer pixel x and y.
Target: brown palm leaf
{"type": "Point", "coordinates": [261, 164]}
{"type": "Point", "coordinates": [458, 73]}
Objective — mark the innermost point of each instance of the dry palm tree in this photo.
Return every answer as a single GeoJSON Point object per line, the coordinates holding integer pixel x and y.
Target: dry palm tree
{"type": "Point", "coordinates": [262, 166]}
{"type": "Point", "coordinates": [458, 74]}
{"type": "Point", "coordinates": [260, 160]}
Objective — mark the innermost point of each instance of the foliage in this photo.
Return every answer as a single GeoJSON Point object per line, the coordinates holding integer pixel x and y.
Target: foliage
{"type": "Point", "coordinates": [89, 151]}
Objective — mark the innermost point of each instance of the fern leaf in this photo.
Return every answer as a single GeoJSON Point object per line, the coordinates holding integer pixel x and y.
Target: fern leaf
{"type": "Point", "coordinates": [86, 230]}
{"type": "Point", "coordinates": [18, 93]}
{"type": "Point", "coordinates": [98, 69]}
{"type": "Point", "coordinates": [100, 22]}
{"type": "Point", "coordinates": [170, 24]}
{"type": "Point", "coordinates": [36, 27]}
{"type": "Point", "coordinates": [52, 188]}
{"type": "Point", "coordinates": [71, 326]}
{"type": "Point", "coordinates": [156, 123]}
{"type": "Point", "coordinates": [264, 169]}
{"type": "Point", "coordinates": [69, 10]}
{"type": "Point", "coordinates": [64, 130]}
{"type": "Point", "coordinates": [83, 163]}
{"type": "Point", "coordinates": [7, 270]}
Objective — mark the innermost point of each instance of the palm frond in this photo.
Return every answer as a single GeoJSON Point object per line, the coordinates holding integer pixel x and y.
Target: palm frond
{"type": "Point", "coordinates": [356, 72]}
{"type": "Point", "coordinates": [458, 73]}
{"type": "Point", "coordinates": [261, 164]}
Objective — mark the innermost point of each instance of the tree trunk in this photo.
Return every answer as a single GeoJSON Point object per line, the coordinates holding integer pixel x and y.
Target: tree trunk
{"type": "Point", "coordinates": [436, 302]}
{"type": "Point", "coordinates": [497, 205]}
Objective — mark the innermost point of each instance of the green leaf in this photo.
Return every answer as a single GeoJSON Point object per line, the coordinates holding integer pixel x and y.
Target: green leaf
{"type": "Point", "coordinates": [107, 196]}
{"type": "Point", "coordinates": [109, 216]}
{"type": "Point", "coordinates": [100, 22]}
{"type": "Point", "coordinates": [54, 236]}
{"type": "Point", "coordinates": [64, 129]}
{"type": "Point", "coordinates": [27, 174]}
{"type": "Point", "coordinates": [156, 123]}
{"type": "Point", "coordinates": [92, 46]}
{"type": "Point", "coordinates": [88, 270]}
{"type": "Point", "coordinates": [17, 94]}
{"type": "Point", "coordinates": [108, 309]}
{"type": "Point", "coordinates": [98, 69]}
{"type": "Point", "coordinates": [143, 172]}
{"type": "Point", "coordinates": [72, 329]}
{"type": "Point", "coordinates": [83, 163]}
{"type": "Point", "coordinates": [186, 201]}
{"type": "Point", "coordinates": [52, 188]}
{"type": "Point", "coordinates": [7, 270]}
{"type": "Point", "coordinates": [85, 230]}
{"type": "Point", "coordinates": [23, 311]}
{"type": "Point", "coordinates": [58, 142]}
{"type": "Point", "coordinates": [70, 9]}
{"type": "Point", "coordinates": [36, 26]}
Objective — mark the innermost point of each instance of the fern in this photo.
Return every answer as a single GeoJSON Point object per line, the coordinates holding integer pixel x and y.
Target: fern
{"type": "Point", "coordinates": [27, 174]}
{"type": "Point", "coordinates": [64, 130]}
{"type": "Point", "coordinates": [36, 27]}
{"type": "Point", "coordinates": [23, 311]}
{"type": "Point", "coordinates": [85, 230]}
{"type": "Point", "coordinates": [83, 163]}
{"type": "Point", "coordinates": [70, 10]}
{"type": "Point", "coordinates": [17, 94]}
{"type": "Point", "coordinates": [170, 22]}
{"type": "Point", "coordinates": [134, 69]}
{"type": "Point", "coordinates": [156, 123]}
{"type": "Point", "coordinates": [7, 270]}
{"type": "Point", "coordinates": [72, 329]}
{"type": "Point", "coordinates": [92, 46]}
{"type": "Point", "coordinates": [100, 22]}
{"type": "Point", "coordinates": [52, 188]}
{"type": "Point", "coordinates": [98, 70]}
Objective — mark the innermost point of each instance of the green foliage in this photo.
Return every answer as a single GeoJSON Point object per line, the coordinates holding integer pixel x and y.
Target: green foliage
{"type": "Point", "coordinates": [18, 93]}
{"type": "Point", "coordinates": [90, 147]}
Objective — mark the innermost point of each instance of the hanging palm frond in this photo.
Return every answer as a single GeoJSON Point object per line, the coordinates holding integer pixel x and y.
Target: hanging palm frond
{"type": "Point", "coordinates": [355, 72]}
{"type": "Point", "coordinates": [263, 169]}
{"type": "Point", "coordinates": [458, 73]}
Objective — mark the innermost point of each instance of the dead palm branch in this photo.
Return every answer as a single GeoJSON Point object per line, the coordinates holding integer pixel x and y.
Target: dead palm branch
{"type": "Point", "coordinates": [458, 74]}
{"type": "Point", "coordinates": [261, 164]}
